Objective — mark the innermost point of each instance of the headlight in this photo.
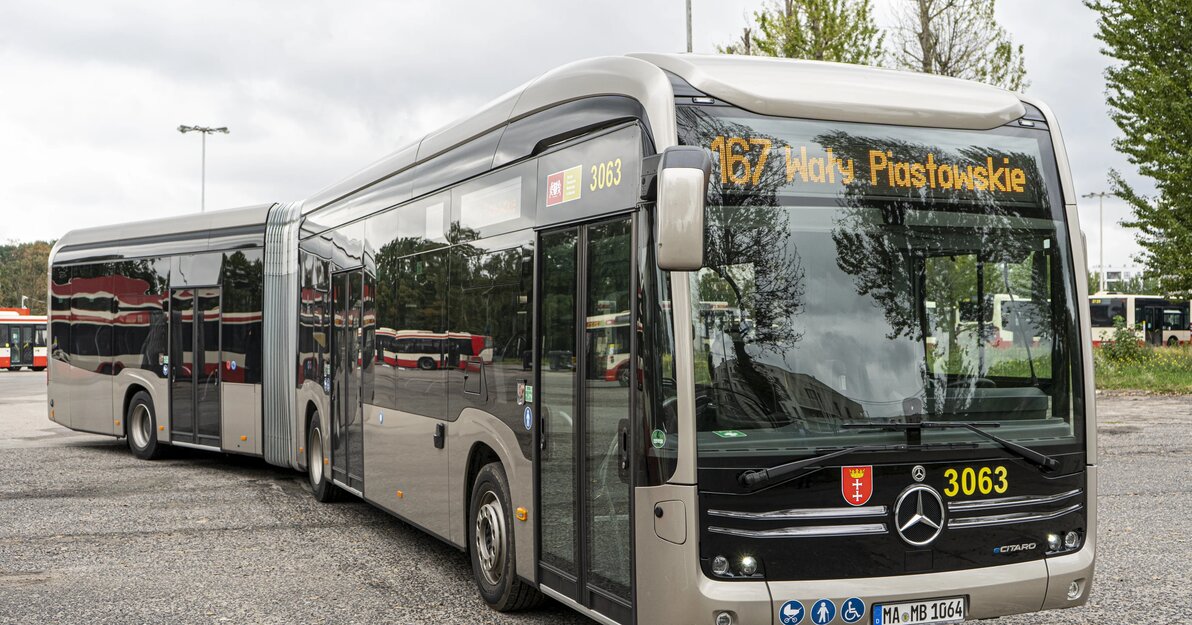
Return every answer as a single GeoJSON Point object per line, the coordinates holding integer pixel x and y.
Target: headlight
{"type": "Point", "coordinates": [720, 565]}
{"type": "Point", "coordinates": [748, 566]}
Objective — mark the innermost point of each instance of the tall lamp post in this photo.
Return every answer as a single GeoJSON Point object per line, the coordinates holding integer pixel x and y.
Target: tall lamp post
{"type": "Point", "coordinates": [1101, 195]}
{"type": "Point", "coordinates": [204, 130]}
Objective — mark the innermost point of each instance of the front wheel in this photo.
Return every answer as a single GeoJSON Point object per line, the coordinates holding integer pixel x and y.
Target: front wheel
{"type": "Point", "coordinates": [426, 364]}
{"type": "Point", "coordinates": [490, 534]}
{"type": "Point", "coordinates": [1173, 342]}
{"type": "Point", "coordinates": [316, 464]}
{"type": "Point", "coordinates": [141, 427]}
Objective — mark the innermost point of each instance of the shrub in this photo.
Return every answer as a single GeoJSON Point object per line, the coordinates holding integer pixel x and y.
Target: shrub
{"type": "Point", "coordinates": [1123, 345]}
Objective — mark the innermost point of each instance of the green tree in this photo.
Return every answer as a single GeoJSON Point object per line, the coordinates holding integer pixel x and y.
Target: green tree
{"type": "Point", "coordinates": [1149, 92]}
{"type": "Point", "coordinates": [23, 273]}
{"type": "Point", "coordinates": [957, 38]}
{"type": "Point", "coordinates": [821, 30]}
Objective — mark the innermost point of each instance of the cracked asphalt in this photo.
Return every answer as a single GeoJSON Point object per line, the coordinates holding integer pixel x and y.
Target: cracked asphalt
{"type": "Point", "coordinates": [91, 535]}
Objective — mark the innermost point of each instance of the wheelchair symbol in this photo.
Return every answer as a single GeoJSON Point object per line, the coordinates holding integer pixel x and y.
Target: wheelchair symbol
{"type": "Point", "coordinates": [852, 610]}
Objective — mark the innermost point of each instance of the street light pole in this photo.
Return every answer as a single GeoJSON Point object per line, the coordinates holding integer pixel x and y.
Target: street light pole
{"type": "Point", "coordinates": [688, 26]}
{"type": "Point", "coordinates": [1100, 195]}
{"type": "Point", "coordinates": [204, 130]}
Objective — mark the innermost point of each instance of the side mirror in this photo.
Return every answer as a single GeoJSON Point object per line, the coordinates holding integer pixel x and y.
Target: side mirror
{"type": "Point", "coordinates": [683, 174]}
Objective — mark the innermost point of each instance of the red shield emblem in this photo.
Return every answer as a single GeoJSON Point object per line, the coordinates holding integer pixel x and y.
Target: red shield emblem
{"type": "Point", "coordinates": [856, 484]}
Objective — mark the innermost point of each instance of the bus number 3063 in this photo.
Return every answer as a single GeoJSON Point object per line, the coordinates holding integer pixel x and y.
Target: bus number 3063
{"type": "Point", "coordinates": [971, 481]}
{"type": "Point", "coordinates": [606, 175]}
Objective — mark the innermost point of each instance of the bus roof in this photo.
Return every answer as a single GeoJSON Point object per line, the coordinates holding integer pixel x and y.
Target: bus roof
{"type": "Point", "coordinates": [179, 227]}
{"type": "Point", "coordinates": [787, 87]}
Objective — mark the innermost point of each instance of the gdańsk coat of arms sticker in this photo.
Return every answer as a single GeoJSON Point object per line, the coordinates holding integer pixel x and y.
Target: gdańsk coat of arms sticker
{"type": "Point", "coordinates": [856, 484]}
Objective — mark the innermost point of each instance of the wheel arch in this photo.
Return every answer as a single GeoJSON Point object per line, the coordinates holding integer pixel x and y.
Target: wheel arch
{"type": "Point", "coordinates": [129, 393]}
{"type": "Point", "coordinates": [479, 455]}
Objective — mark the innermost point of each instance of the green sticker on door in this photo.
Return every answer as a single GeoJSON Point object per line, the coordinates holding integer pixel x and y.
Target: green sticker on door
{"type": "Point", "coordinates": [657, 439]}
{"type": "Point", "coordinates": [729, 433]}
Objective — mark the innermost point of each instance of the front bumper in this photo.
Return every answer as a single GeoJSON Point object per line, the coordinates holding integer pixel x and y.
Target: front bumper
{"type": "Point", "coordinates": [672, 590]}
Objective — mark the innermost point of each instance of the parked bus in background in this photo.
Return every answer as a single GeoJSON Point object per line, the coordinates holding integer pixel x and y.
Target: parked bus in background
{"type": "Point", "coordinates": [22, 339]}
{"type": "Point", "coordinates": [1156, 320]}
{"type": "Point", "coordinates": [784, 256]}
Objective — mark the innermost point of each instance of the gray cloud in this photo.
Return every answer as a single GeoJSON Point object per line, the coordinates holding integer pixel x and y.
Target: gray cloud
{"type": "Point", "coordinates": [313, 91]}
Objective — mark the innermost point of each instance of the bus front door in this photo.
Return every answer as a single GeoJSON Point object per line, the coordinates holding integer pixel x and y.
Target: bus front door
{"type": "Point", "coordinates": [14, 347]}
{"type": "Point", "coordinates": [27, 346]}
{"type": "Point", "coordinates": [347, 426]}
{"type": "Point", "coordinates": [195, 357]}
{"type": "Point", "coordinates": [584, 465]}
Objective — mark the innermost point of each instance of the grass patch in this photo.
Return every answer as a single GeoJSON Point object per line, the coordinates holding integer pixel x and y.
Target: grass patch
{"type": "Point", "coordinates": [1154, 369]}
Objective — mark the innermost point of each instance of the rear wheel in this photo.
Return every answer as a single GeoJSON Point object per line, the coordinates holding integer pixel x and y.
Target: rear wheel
{"type": "Point", "coordinates": [426, 364]}
{"type": "Point", "coordinates": [490, 534]}
{"type": "Point", "coordinates": [140, 425]}
{"type": "Point", "coordinates": [1173, 342]}
{"type": "Point", "coordinates": [316, 464]}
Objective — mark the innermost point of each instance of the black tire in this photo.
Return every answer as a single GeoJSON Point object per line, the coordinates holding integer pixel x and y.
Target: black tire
{"type": "Point", "coordinates": [426, 364]}
{"type": "Point", "coordinates": [39, 368]}
{"type": "Point", "coordinates": [1173, 342]}
{"type": "Point", "coordinates": [140, 428]}
{"type": "Point", "coordinates": [316, 464]}
{"type": "Point", "coordinates": [496, 578]}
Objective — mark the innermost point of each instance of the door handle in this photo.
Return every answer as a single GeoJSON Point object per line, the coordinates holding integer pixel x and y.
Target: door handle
{"type": "Point", "coordinates": [440, 435]}
{"type": "Point", "coordinates": [623, 450]}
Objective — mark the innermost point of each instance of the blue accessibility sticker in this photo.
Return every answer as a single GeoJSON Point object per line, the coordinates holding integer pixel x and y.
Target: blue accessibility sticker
{"type": "Point", "coordinates": [528, 418]}
{"type": "Point", "coordinates": [791, 613]}
{"type": "Point", "coordinates": [852, 610]}
{"type": "Point", "coordinates": [822, 612]}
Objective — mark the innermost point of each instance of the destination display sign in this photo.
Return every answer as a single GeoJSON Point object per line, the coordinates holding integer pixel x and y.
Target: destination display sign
{"type": "Point", "coordinates": [759, 155]}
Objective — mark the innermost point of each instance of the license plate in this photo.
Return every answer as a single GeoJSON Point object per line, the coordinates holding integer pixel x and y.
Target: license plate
{"type": "Point", "coordinates": [924, 612]}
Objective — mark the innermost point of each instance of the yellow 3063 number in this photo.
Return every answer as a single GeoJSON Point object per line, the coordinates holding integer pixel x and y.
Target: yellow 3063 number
{"type": "Point", "coordinates": [971, 481]}
{"type": "Point", "coordinates": [606, 175]}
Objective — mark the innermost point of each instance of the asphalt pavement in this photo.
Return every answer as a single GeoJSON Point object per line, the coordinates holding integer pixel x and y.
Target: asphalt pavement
{"type": "Point", "coordinates": [91, 535]}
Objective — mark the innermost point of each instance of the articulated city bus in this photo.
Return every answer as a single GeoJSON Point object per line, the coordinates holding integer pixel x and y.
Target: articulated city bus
{"type": "Point", "coordinates": [778, 253]}
{"type": "Point", "coordinates": [22, 340]}
{"type": "Point", "coordinates": [1157, 320]}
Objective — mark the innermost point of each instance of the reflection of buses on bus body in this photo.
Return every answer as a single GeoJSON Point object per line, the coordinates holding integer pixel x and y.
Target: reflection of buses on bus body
{"type": "Point", "coordinates": [432, 350]}
{"type": "Point", "coordinates": [1157, 321]}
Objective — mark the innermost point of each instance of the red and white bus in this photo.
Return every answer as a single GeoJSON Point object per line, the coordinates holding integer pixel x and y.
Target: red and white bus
{"type": "Point", "coordinates": [431, 350]}
{"type": "Point", "coordinates": [1158, 321]}
{"type": "Point", "coordinates": [22, 339]}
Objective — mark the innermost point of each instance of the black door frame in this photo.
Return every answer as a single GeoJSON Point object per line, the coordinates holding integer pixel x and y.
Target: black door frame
{"type": "Point", "coordinates": [353, 473]}
{"type": "Point", "coordinates": [576, 587]}
{"type": "Point", "coordinates": [196, 322]}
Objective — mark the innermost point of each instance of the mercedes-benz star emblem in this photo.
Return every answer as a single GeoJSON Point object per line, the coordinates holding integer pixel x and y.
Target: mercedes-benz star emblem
{"type": "Point", "coordinates": [919, 473]}
{"type": "Point", "coordinates": [919, 515]}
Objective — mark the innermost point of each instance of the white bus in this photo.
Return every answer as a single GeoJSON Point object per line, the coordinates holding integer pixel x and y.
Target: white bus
{"type": "Point", "coordinates": [799, 447]}
{"type": "Point", "coordinates": [1155, 320]}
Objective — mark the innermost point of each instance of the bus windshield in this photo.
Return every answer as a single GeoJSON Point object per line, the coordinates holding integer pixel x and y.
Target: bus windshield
{"type": "Point", "coordinates": [879, 274]}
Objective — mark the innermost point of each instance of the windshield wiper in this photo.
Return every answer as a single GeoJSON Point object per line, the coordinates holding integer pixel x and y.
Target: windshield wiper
{"type": "Point", "coordinates": [790, 470]}
{"type": "Point", "coordinates": [1039, 459]}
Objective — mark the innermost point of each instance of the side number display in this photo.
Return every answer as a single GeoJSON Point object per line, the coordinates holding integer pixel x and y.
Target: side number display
{"type": "Point", "coordinates": [606, 175]}
{"type": "Point", "coordinates": [971, 481]}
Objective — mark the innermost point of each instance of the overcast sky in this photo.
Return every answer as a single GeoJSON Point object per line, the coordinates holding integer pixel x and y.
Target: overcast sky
{"type": "Point", "coordinates": [91, 92]}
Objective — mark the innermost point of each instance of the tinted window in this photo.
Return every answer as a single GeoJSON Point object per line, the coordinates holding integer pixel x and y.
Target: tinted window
{"type": "Point", "coordinates": [1102, 311]}
{"type": "Point", "coordinates": [139, 332]}
{"type": "Point", "coordinates": [489, 350]}
{"type": "Point", "coordinates": [243, 280]}
{"type": "Point", "coordinates": [60, 291]}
